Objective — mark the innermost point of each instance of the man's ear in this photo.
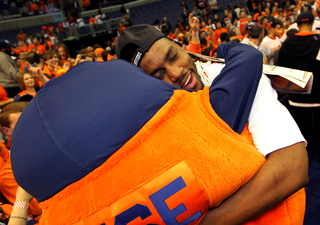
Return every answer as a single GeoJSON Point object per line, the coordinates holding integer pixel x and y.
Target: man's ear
{"type": "Point", "coordinates": [6, 131]}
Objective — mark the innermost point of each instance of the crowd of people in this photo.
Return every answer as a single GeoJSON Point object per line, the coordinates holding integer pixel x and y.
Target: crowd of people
{"type": "Point", "coordinates": [265, 25]}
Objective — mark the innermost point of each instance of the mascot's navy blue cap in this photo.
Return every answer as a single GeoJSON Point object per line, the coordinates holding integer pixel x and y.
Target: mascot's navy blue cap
{"type": "Point", "coordinates": [76, 121]}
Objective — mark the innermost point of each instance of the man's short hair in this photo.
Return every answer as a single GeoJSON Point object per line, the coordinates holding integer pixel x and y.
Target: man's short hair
{"type": "Point", "coordinates": [203, 41]}
{"type": "Point", "coordinates": [256, 31]}
{"type": "Point", "coordinates": [223, 37]}
{"type": "Point", "coordinates": [305, 17]}
{"type": "Point", "coordinates": [231, 34]}
{"type": "Point", "coordinates": [291, 32]}
{"type": "Point", "coordinates": [277, 24]}
{"type": "Point", "coordinates": [16, 107]}
{"type": "Point", "coordinates": [135, 41]}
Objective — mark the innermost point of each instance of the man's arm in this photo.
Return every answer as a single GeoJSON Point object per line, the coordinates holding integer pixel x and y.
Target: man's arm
{"type": "Point", "coordinates": [194, 45]}
{"type": "Point", "coordinates": [232, 92]}
{"type": "Point", "coordinates": [286, 169]}
{"type": "Point", "coordinates": [285, 172]}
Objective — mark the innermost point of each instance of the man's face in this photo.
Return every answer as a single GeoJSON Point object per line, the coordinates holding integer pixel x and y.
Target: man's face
{"type": "Point", "coordinates": [90, 52]}
{"type": "Point", "coordinates": [13, 118]}
{"type": "Point", "coordinates": [278, 30]}
{"type": "Point", "coordinates": [169, 62]}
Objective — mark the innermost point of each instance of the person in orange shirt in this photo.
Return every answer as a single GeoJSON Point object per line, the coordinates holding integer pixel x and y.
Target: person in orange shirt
{"type": "Point", "coordinates": [34, 8]}
{"type": "Point", "coordinates": [210, 36]}
{"type": "Point", "coordinates": [51, 69]}
{"type": "Point", "coordinates": [204, 26]}
{"type": "Point", "coordinates": [243, 22]}
{"type": "Point", "coordinates": [98, 54]}
{"type": "Point", "coordinates": [22, 46]}
{"type": "Point", "coordinates": [43, 7]}
{"type": "Point", "coordinates": [22, 36]}
{"type": "Point", "coordinates": [86, 4]}
{"type": "Point", "coordinates": [275, 11]}
{"type": "Point", "coordinates": [8, 185]}
{"type": "Point", "coordinates": [4, 154]}
{"type": "Point", "coordinates": [92, 20]}
{"type": "Point", "coordinates": [27, 83]}
{"type": "Point", "coordinates": [23, 61]}
{"type": "Point", "coordinates": [64, 55]}
{"type": "Point", "coordinates": [4, 100]}
{"type": "Point", "coordinates": [33, 46]}
{"type": "Point", "coordinates": [218, 31]}
{"type": "Point", "coordinates": [259, 13]}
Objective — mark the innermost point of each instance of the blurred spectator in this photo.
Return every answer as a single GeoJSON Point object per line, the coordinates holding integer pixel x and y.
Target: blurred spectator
{"type": "Point", "coordinates": [51, 69]}
{"type": "Point", "coordinates": [218, 31]}
{"type": "Point", "coordinates": [22, 36]}
{"type": "Point", "coordinates": [235, 26]}
{"type": "Point", "coordinates": [43, 7]}
{"type": "Point", "coordinates": [34, 7]}
{"type": "Point", "coordinates": [24, 10]}
{"type": "Point", "coordinates": [23, 61]}
{"type": "Point", "coordinates": [243, 22]}
{"type": "Point", "coordinates": [197, 13]}
{"type": "Point", "coordinates": [213, 5]}
{"type": "Point", "coordinates": [185, 15]}
{"type": "Point", "coordinates": [216, 19]}
{"type": "Point", "coordinates": [27, 84]}
{"type": "Point", "coordinates": [92, 20]}
{"type": "Point", "coordinates": [89, 51]}
{"type": "Point", "coordinates": [123, 10]}
{"type": "Point", "coordinates": [4, 100]}
{"type": "Point", "coordinates": [211, 25]}
{"type": "Point", "coordinates": [9, 71]}
{"type": "Point", "coordinates": [98, 18]}
{"type": "Point", "coordinates": [183, 4]}
{"type": "Point", "coordinates": [271, 42]}
{"type": "Point", "coordinates": [165, 26]}
{"type": "Point", "coordinates": [98, 55]}
{"type": "Point", "coordinates": [86, 4]}
{"type": "Point", "coordinates": [258, 14]}
{"type": "Point", "coordinates": [202, 6]}
{"type": "Point", "coordinates": [80, 22]}
{"type": "Point", "coordinates": [22, 46]}
{"type": "Point", "coordinates": [105, 55]}
{"type": "Point", "coordinates": [64, 55]}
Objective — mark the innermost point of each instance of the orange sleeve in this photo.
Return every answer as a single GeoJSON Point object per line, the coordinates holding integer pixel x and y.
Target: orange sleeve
{"type": "Point", "coordinates": [196, 48]}
{"type": "Point", "coordinates": [4, 154]}
{"type": "Point", "coordinates": [110, 57]}
{"type": "Point", "coordinates": [3, 94]}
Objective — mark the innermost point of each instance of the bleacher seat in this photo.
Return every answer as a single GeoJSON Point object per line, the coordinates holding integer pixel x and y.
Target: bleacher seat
{"type": "Point", "coordinates": [83, 31]}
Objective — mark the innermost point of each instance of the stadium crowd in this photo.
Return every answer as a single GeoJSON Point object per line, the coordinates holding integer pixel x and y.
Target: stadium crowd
{"type": "Point", "coordinates": [36, 59]}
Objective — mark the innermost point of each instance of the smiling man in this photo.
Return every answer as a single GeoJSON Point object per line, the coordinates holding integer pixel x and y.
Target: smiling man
{"type": "Point", "coordinates": [274, 132]}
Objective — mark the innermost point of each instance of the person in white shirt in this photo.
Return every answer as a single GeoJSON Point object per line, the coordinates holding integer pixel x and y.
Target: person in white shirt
{"type": "Point", "coordinates": [271, 42]}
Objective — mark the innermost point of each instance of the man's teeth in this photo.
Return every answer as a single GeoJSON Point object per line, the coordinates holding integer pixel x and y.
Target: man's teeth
{"type": "Point", "coordinates": [187, 80]}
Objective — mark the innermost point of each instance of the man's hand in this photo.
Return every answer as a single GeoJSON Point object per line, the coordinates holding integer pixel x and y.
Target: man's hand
{"type": "Point", "coordinates": [194, 23]}
{"type": "Point", "coordinates": [194, 29]}
{"type": "Point", "coordinates": [284, 173]}
{"type": "Point", "coordinates": [37, 74]}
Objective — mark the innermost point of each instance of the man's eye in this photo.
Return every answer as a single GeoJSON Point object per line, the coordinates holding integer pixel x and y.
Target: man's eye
{"type": "Point", "coordinates": [173, 57]}
{"type": "Point", "coordinates": [159, 75]}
